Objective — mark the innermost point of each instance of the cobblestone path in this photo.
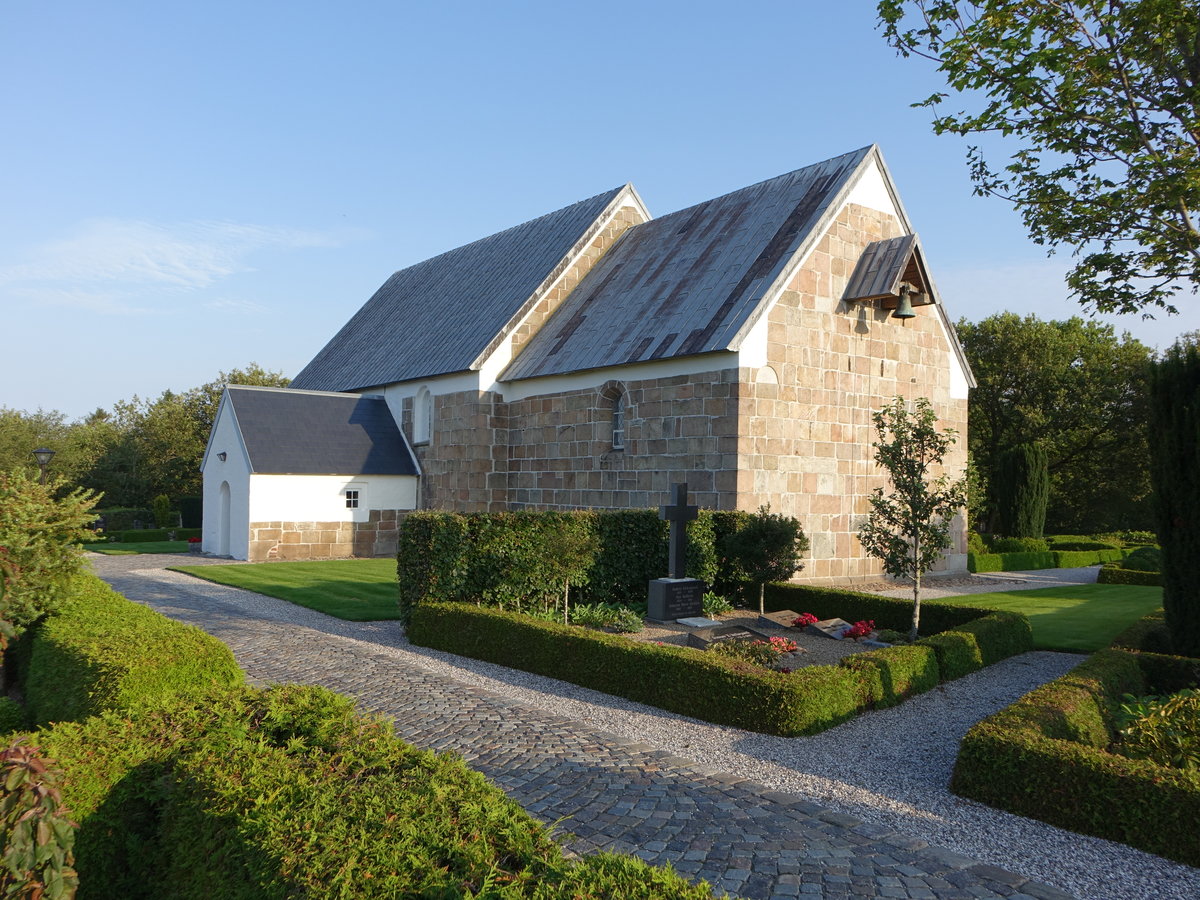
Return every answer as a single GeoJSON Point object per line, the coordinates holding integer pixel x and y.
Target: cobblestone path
{"type": "Point", "coordinates": [603, 791]}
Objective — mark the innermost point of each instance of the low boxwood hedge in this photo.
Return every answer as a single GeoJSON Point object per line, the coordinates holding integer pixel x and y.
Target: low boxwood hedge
{"type": "Point", "coordinates": [1052, 559]}
{"type": "Point", "coordinates": [143, 535]}
{"type": "Point", "coordinates": [290, 793]}
{"type": "Point", "coordinates": [1045, 757]}
{"type": "Point", "coordinates": [1119, 575]}
{"type": "Point", "coordinates": [101, 651]}
{"type": "Point", "coordinates": [718, 689]}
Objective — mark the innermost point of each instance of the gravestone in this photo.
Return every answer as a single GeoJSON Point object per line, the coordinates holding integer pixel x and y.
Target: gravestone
{"type": "Point", "coordinates": [831, 628]}
{"type": "Point", "coordinates": [703, 638]}
{"type": "Point", "coordinates": [782, 619]}
{"type": "Point", "coordinates": [677, 596]}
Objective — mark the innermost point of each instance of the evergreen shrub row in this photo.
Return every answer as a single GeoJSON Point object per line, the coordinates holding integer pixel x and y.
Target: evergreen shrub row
{"type": "Point", "coordinates": [101, 652]}
{"type": "Point", "coordinates": [1112, 574]}
{"type": "Point", "coordinates": [726, 691]}
{"type": "Point", "coordinates": [508, 558]}
{"type": "Point", "coordinates": [142, 535]}
{"type": "Point", "coordinates": [1052, 559]}
{"type": "Point", "coordinates": [1046, 757]}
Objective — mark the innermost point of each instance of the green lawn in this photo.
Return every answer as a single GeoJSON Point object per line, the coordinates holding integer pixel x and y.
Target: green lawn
{"type": "Point", "coordinates": [144, 547]}
{"type": "Point", "coordinates": [361, 590]}
{"type": "Point", "coordinates": [1079, 618]}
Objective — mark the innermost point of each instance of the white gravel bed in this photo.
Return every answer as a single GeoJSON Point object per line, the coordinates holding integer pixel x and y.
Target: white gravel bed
{"type": "Point", "coordinates": [889, 767]}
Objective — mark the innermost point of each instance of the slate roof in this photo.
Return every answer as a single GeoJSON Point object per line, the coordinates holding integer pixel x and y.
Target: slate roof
{"type": "Point", "coordinates": [437, 316]}
{"type": "Point", "coordinates": [290, 432]}
{"type": "Point", "coordinates": [688, 282]}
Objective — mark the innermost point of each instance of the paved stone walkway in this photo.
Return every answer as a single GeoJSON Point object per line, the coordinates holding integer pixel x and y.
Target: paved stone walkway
{"type": "Point", "coordinates": [602, 791]}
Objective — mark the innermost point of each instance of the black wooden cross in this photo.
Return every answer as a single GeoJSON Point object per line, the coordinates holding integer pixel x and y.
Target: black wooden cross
{"type": "Point", "coordinates": [678, 514]}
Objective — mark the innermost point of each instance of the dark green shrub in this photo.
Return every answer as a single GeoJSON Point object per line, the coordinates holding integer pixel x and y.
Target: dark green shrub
{"type": "Point", "coordinates": [1021, 484]}
{"type": "Point", "coordinates": [1019, 545]}
{"type": "Point", "coordinates": [1046, 757]}
{"type": "Point", "coordinates": [1149, 633]}
{"type": "Point", "coordinates": [1081, 545]}
{"type": "Point", "coordinates": [892, 674]}
{"type": "Point", "coordinates": [182, 534]}
{"type": "Point", "coordinates": [975, 543]}
{"type": "Point", "coordinates": [12, 716]}
{"type": "Point", "coordinates": [163, 516]}
{"type": "Point", "coordinates": [1175, 476]}
{"type": "Point", "coordinates": [1076, 559]}
{"type": "Point", "coordinates": [143, 535]}
{"type": "Point", "coordinates": [1143, 559]}
{"type": "Point", "coordinates": [191, 511]}
{"type": "Point", "coordinates": [767, 548]}
{"type": "Point", "coordinates": [1115, 574]}
{"type": "Point", "coordinates": [1136, 538]}
{"type": "Point", "coordinates": [103, 652]}
{"type": "Point", "coordinates": [729, 580]}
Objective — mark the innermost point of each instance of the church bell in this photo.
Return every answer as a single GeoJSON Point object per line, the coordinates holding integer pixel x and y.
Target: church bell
{"type": "Point", "coordinates": [904, 308]}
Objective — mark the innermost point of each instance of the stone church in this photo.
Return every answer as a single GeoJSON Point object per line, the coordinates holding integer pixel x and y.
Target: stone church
{"type": "Point", "coordinates": [593, 356]}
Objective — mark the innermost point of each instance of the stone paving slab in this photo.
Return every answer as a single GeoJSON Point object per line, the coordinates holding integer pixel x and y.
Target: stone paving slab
{"type": "Point", "coordinates": [600, 791]}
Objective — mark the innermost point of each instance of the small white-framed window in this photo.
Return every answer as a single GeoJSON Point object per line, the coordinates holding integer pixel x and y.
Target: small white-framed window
{"type": "Point", "coordinates": [422, 416]}
{"type": "Point", "coordinates": [351, 498]}
{"type": "Point", "coordinates": [618, 421]}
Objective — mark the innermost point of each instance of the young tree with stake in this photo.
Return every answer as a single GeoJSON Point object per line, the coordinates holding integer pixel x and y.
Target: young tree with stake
{"type": "Point", "coordinates": [908, 529]}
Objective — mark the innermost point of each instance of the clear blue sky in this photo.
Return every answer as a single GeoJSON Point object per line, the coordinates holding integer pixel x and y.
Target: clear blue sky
{"type": "Point", "coordinates": [189, 187]}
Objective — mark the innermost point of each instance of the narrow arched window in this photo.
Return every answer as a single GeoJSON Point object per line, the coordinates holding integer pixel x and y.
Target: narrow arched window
{"type": "Point", "coordinates": [422, 416]}
{"type": "Point", "coordinates": [618, 421]}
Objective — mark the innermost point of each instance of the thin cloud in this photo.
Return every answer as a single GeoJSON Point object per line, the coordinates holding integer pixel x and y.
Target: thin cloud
{"type": "Point", "coordinates": [188, 255]}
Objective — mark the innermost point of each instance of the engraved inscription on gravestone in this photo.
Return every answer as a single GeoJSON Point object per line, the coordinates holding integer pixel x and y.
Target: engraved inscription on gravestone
{"type": "Point", "coordinates": [677, 596]}
{"type": "Point", "coordinates": [703, 638]}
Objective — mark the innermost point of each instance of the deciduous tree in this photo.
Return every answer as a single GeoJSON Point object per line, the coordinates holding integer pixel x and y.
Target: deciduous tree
{"type": "Point", "coordinates": [1099, 101]}
{"type": "Point", "coordinates": [908, 528]}
{"type": "Point", "coordinates": [1078, 391]}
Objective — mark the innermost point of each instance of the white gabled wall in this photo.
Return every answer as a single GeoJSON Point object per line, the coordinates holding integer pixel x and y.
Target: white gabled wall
{"type": "Point", "coordinates": [234, 470]}
{"type": "Point", "coordinates": [322, 498]}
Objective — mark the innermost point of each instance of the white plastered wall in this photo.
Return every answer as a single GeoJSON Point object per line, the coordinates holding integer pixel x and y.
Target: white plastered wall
{"type": "Point", "coordinates": [322, 498]}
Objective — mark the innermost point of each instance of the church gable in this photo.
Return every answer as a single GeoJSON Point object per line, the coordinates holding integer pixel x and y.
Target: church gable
{"type": "Point", "coordinates": [686, 283]}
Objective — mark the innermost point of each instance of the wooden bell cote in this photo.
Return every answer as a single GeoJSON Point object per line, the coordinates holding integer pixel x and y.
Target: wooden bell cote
{"type": "Point", "coordinates": [886, 266]}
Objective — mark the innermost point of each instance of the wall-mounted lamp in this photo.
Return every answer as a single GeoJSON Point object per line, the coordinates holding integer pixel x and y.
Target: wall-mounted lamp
{"type": "Point", "coordinates": [222, 456]}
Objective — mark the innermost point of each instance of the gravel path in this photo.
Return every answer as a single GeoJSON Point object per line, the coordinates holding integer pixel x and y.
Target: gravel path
{"type": "Point", "coordinates": [873, 790]}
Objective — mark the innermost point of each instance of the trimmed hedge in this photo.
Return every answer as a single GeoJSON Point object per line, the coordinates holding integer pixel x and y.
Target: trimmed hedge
{"type": "Point", "coordinates": [1147, 633]}
{"type": "Point", "coordinates": [718, 689]}
{"type": "Point", "coordinates": [508, 558]}
{"type": "Point", "coordinates": [122, 518]}
{"type": "Point", "coordinates": [103, 652]}
{"type": "Point", "coordinates": [1052, 559]}
{"type": "Point", "coordinates": [887, 612]}
{"type": "Point", "coordinates": [981, 642]}
{"type": "Point", "coordinates": [1045, 757]}
{"type": "Point", "coordinates": [142, 535]}
{"type": "Point", "coordinates": [1119, 575]}
{"type": "Point", "coordinates": [288, 793]}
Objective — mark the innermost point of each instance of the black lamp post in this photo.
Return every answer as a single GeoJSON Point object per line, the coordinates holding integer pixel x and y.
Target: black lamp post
{"type": "Point", "coordinates": [43, 455]}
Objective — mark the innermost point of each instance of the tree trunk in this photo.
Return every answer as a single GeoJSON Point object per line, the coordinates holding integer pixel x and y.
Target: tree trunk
{"type": "Point", "coordinates": [566, 592]}
{"type": "Point", "coordinates": [916, 618]}
{"type": "Point", "coordinates": [762, 590]}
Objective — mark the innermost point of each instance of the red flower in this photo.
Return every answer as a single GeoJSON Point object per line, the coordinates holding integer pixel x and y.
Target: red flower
{"type": "Point", "coordinates": [804, 619]}
{"type": "Point", "coordinates": [860, 629]}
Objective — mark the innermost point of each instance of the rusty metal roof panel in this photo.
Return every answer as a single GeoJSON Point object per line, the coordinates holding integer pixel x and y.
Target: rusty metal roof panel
{"type": "Point", "coordinates": [437, 316]}
{"type": "Point", "coordinates": [698, 273]}
{"type": "Point", "coordinates": [880, 269]}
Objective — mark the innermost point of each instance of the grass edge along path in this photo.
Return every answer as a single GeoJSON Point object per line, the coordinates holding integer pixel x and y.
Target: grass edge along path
{"type": "Point", "coordinates": [118, 549]}
{"type": "Point", "coordinates": [357, 590]}
{"type": "Point", "coordinates": [1078, 618]}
